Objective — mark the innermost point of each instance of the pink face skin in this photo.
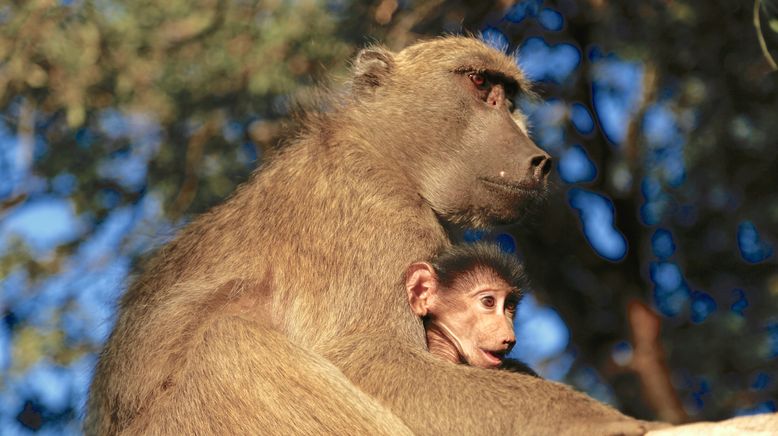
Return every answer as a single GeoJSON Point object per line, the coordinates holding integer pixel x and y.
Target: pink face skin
{"type": "Point", "coordinates": [472, 322]}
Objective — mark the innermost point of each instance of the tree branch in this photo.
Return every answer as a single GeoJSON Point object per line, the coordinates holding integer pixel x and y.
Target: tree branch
{"type": "Point", "coordinates": [760, 36]}
{"type": "Point", "coordinates": [648, 361]}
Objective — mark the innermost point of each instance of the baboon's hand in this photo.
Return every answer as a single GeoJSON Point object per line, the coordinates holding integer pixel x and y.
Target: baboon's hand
{"type": "Point", "coordinates": [614, 428]}
{"type": "Point", "coordinates": [762, 425]}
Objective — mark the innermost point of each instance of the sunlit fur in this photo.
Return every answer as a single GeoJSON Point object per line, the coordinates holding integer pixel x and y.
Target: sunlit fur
{"type": "Point", "coordinates": [282, 311]}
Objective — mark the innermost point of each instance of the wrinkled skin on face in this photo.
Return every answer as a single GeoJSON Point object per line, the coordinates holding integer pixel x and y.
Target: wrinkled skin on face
{"type": "Point", "coordinates": [470, 322]}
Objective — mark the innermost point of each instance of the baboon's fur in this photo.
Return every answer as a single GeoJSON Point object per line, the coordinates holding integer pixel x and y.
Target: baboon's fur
{"type": "Point", "coordinates": [282, 310]}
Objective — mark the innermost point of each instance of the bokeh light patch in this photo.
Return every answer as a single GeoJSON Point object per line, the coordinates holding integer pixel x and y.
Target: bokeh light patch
{"type": "Point", "coordinates": [5, 345]}
{"type": "Point", "coordinates": [543, 62]}
{"type": "Point", "coordinates": [752, 247]}
{"type": "Point", "coordinates": [575, 166]}
{"type": "Point", "coordinates": [656, 201]}
{"type": "Point", "coordinates": [47, 383]}
{"type": "Point", "coordinates": [597, 217]}
{"type": "Point", "coordinates": [768, 406]}
{"type": "Point", "coordinates": [616, 90]}
{"type": "Point", "coordinates": [670, 290]}
{"type": "Point", "coordinates": [473, 235]}
{"type": "Point", "coordinates": [43, 224]}
{"type": "Point", "coordinates": [581, 118]}
{"type": "Point", "coordinates": [662, 243]}
{"type": "Point", "coordinates": [541, 334]}
{"type": "Point", "coordinates": [622, 353]}
{"type": "Point", "coordinates": [665, 143]}
{"type": "Point", "coordinates": [703, 305]}
{"type": "Point", "coordinates": [703, 390]}
{"type": "Point", "coordinates": [64, 184]}
{"type": "Point", "coordinates": [666, 275]}
{"type": "Point", "coordinates": [521, 10]}
{"type": "Point", "coordinates": [551, 19]}
{"type": "Point", "coordinates": [126, 168]}
{"type": "Point", "coordinates": [591, 382]}
{"type": "Point", "coordinates": [740, 302]}
{"type": "Point", "coordinates": [547, 120]}
{"type": "Point", "coordinates": [761, 381]}
{"type": "Point", "coordinates": [506, 243]}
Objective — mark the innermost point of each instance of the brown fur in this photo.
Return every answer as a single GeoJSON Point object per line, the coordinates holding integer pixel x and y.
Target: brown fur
{"type": "Point", "coordinates": [315, 242]}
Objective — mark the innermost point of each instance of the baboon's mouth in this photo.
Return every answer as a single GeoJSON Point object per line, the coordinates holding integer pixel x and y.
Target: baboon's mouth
{"type": "Point", "coordinates": [512, 188]}
{"type": "Point", "coordinates": [494, 357]}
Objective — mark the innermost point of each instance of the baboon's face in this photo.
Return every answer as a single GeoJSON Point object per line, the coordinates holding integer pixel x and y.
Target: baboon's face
{"type": "Point", "coordinates": [478, 316]}
{"type": "Point", "coordinates": [481, 168]}
{"type": "Point", "coordinates": [468, 320]}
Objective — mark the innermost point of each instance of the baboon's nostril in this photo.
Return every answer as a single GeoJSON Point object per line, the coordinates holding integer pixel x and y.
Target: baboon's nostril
{"type": "Point", "coordinates": [540, 165]}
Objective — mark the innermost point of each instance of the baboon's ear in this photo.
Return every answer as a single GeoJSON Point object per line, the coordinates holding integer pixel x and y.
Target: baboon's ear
{"type": "Point", "coordinates": [372, 68]}
{"type": "Point", "coordinates": [421, 285]}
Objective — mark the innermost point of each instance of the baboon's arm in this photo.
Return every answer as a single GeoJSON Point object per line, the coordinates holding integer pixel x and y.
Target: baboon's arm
{"type": "Point", "coordinates": [433, 396]}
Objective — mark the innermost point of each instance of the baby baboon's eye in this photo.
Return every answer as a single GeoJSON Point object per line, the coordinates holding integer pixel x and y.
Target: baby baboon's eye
{"type": "Point", "coordinates": [479, 80]}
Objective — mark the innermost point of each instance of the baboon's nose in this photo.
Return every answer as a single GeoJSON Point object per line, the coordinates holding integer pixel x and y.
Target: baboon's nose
{"type": "Point", "coordinates": [540, 166]}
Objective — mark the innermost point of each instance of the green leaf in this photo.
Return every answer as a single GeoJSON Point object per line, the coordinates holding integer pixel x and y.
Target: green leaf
{"type": "Point", "coordinates": [774, 25]}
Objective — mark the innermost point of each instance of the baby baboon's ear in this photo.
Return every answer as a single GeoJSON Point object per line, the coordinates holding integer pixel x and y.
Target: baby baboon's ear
{"type": "Point", "coordinates": [372, 68]}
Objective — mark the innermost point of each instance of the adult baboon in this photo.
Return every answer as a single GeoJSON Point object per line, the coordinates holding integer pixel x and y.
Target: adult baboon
{"type": "Point", "coordinates": [282, 311]}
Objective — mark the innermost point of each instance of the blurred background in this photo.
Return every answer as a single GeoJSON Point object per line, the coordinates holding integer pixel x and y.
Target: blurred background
{"type": "Point", "coordinates": [654, 266]}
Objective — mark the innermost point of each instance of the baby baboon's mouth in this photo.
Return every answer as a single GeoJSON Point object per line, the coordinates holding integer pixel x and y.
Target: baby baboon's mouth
{"type": "Point", "coordinates": [494, 357]}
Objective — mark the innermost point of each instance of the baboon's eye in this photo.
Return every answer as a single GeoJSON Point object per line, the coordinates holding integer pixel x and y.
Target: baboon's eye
{"type": "Point", "coordinates": [479, 80]}
{"type": "Point", "coordinates": [487, 301]}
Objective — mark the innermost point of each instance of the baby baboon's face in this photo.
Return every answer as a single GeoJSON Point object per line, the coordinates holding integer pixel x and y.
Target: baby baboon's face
{"type": "Point", "coordinates": [477, 315]}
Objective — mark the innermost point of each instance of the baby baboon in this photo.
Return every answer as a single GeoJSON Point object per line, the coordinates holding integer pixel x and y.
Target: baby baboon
{"type": "Point", "coordinates": [281, 310]}
{"type": "Point", "coordinates": [467, 298]}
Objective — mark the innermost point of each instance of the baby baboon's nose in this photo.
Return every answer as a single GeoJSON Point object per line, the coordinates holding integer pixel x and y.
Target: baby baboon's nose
{"type": "Point", "coordinates": [540, 166]}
